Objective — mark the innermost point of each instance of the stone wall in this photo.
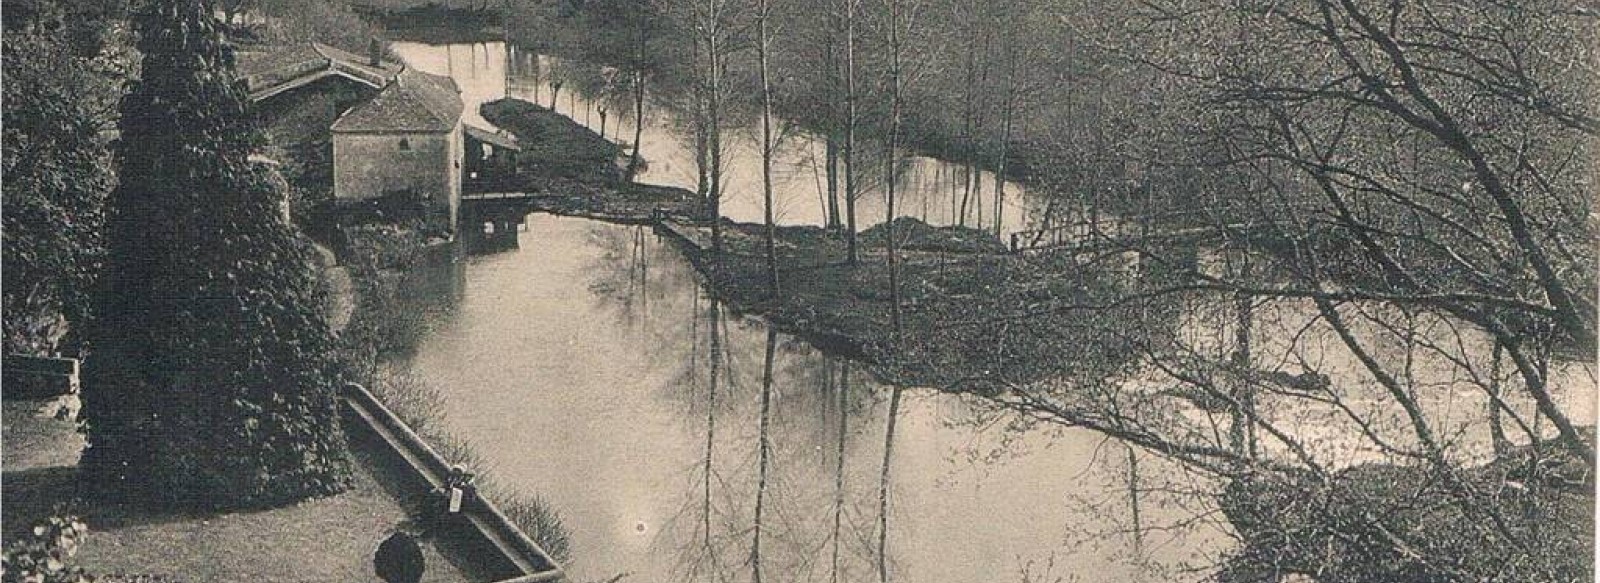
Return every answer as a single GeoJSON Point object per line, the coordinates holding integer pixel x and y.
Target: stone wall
{"type": "Point", "coordinates": [370, 165]}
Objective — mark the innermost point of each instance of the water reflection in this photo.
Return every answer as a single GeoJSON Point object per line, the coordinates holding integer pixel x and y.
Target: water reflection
{"type": "Point", "coordinates": [589, 367]}
{"type": "Point", "coordinates": [595, 96]}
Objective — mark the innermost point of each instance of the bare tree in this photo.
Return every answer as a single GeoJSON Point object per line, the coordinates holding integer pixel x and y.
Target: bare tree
{"type": "Point", "coordinates": [763, 46]}
{"type": "Point", "coordinates": [850, 187]}
{"type": "Point", "coordinates": [1401, 202]}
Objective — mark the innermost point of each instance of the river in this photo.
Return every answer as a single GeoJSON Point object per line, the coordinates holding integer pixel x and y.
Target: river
{"type": "Point", "coordinates": [587, 365]}
{"type": "Point", "coordinates": [584, 368]}
{"type": "Point", "coordinates": [927, 188]}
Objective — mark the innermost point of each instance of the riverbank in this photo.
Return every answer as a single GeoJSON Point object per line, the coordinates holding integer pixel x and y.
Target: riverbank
{"type": "Point", "coordinates": [553, 145]}
{"type": "Point", "coordinates": [959, 294]}
{"type": "Point", "coordinates": [431, 22]}
{"type": "Point", "coordinates": [1303, 526]}
{"type": "Point", "coordinates": [570, 170]}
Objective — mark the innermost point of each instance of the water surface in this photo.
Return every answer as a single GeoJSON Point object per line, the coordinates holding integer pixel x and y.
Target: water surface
{"type": "Point", "coordinates": [590, 367]}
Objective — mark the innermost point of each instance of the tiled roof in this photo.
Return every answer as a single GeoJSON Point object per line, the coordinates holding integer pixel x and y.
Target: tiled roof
{"type": "Point", "coordinates": [415, 101]}
{"type": "Point", "coordinates": [271, 69]}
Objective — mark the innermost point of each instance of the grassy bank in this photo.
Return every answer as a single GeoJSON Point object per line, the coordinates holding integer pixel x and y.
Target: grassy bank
{"type": "Point", "coordinates": [1305, 526]}
{"type": "Point", "coordinates": [960, 296]}
{"type": "Point", "coordinates": [573, 171]}
{"type": "Point", "coordinates": [554, 146]}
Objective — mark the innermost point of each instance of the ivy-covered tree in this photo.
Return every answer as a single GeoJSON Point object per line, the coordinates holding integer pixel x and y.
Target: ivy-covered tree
{"type": "Point", "coordinates": [60, 89]}
{"type": "Point", "coordinates": [211, 382]}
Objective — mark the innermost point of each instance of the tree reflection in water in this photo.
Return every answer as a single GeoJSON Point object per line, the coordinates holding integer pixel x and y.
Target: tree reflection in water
{"type": "Point", "coordinates": [598, 339]}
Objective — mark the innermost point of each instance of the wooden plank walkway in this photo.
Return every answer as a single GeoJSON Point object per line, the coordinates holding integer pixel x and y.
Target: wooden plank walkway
{"type": "Point", "coordinates": [1113, 233]}
{"type": "Point", "coordinates": [497, 196]}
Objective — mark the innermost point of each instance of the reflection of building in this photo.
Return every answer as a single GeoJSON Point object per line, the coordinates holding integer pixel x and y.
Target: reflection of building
{"type": "Point", "coordinates": [362, 128]}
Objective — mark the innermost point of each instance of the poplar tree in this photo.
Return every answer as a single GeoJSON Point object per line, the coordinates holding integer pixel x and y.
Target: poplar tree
{"type": "Point", "coordinates": [211, 382]}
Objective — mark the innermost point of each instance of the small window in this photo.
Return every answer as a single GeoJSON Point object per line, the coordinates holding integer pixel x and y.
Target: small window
{"type": "Point", "coordinates": [405, 145]}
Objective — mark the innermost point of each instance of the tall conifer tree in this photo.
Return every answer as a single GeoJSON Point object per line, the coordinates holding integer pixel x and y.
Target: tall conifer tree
{"type": "Point", "coordinates": [212, 381]}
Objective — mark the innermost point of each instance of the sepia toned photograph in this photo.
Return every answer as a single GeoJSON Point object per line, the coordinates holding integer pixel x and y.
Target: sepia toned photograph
{"type": "Point", "coordinates": [799, 291]}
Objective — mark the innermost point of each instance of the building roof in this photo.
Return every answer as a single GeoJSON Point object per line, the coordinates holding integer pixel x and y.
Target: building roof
{"type": "Point", "coordinates": [489, 137]}
{"type": "Point", "coordinates": [268, 70]}
{"type": "Point", "coordinates": [414, 102]}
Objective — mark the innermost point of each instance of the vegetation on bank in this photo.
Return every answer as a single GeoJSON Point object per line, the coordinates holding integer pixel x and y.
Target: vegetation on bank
{"type": "Point", "coordinates": [297, 21]}
{"type": "Point", "coordinates": [1285, 530]}
{"type": "Point", "coordinates": [436, 22]}
{"type": "Point", "coordinates": [959, 298]}
{"type": "Point", "coordinates": [553, 145]}
{"type": "Point", "coordinates": [573, 171]}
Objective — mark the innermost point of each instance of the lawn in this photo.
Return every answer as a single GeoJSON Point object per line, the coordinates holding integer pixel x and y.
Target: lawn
{"type": "Point", "coordinates": [327, 539]}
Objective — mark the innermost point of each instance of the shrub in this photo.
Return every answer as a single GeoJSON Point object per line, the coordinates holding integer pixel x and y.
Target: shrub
{"type": "Point", "coordinates": [541, 523]}
{"type": "Point", "coordinates": [44, 554]}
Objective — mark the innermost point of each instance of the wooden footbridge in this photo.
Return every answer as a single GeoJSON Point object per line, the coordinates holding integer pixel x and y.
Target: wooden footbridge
{"type": "Point", "coordinates": [497, 197]}
{"type": "Point", "coordinates": [1104, 234]}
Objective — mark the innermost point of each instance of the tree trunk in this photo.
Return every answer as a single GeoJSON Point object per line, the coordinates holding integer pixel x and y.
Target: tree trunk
{"type": "Point", "coordinates": [838, 469]}
{"type": "Point", "coordinates": [1242, 432]}
{"type": "Point", "coordinates": [883, 486]}
{"type": "Point", "coordinates": [1497, 430]}
{"type": "Point", "coordinates": [638, 124]}
{"type": "Point", "coordinates": [714, 115]}
{"type": "Point", "coordinates": [764, 454]}
{"type": "Point", "coordinates": [850, 190]}
{"type": "Point", "coordinates": [701, 160]}
{"type": "Point", "coordinates": [762, 46]}
{"type": "Point", "coordinates": [643, 42]}
{"type": "Point", "coordinates": [832, 168]}
{"type": "Point", "coordinates": [831, 67]}
{"type": "Point", "coordinates": [895, 81]}
{"type": "Point", "coordinates": [1008, 110]}
{"type": "Point", "coordinates": [1133, 500]}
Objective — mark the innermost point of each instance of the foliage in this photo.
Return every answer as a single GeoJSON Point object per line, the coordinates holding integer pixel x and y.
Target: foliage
{"type": "Point", "coordinates": [59, 92]}
{"type": "Point", "coordinates": [44, 554]}
{"type": "Point", "coordinates": [331, 23]}
{"type": "Point", "coordinates": [915, 235]}
{"type": "Point", "coordinates": [540, 522]}
{"type": "Point", "coordinates": [212, 383]}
